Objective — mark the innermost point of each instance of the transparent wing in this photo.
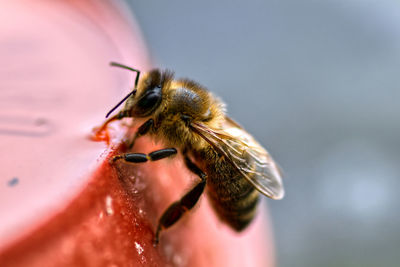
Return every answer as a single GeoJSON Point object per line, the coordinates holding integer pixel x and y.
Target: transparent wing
{"type": "Point", "coordinates": [246, 155]}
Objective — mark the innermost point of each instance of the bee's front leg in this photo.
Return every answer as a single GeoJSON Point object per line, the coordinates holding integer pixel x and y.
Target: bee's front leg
{"type": "Point", "coordinates": [142, 130]}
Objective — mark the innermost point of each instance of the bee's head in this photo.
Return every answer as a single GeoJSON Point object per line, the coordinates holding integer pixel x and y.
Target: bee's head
{"type": "Point", "coordinates": [147, 95]}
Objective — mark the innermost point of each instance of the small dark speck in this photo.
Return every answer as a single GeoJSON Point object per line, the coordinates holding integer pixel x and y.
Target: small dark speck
{"type": "Point", "coordinates": [13, 182]}
{"type": "Point", "coordinates": [40, 121]}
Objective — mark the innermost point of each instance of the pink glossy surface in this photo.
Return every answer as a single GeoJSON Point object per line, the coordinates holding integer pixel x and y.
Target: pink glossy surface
{"type": "Point", "coordinates": [55, 85]}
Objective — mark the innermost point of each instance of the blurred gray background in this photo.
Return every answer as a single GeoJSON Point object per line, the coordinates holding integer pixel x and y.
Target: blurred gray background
{"type": "Point", "coordinates": [317, 82]}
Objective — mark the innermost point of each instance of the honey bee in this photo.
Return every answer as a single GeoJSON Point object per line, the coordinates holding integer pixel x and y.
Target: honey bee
{"type": "Point", "coordinates": [188, 118]}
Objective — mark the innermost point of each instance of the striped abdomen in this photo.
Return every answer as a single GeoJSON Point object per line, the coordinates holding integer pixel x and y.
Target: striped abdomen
{"type": "Point", "coordinates": [234, 199]}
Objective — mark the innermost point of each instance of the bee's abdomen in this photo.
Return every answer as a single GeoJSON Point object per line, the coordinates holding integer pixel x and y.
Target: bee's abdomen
{"type": "Point", "coordinates": [234, 199]}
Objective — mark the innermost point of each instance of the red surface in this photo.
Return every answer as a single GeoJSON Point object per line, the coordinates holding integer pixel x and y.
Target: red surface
{"type": "Point", "coordinates": [88, 233]}
{"type": "Point", "coordinates": [111, 223]}
{"type": "Point", "coordinates": [61, 202]}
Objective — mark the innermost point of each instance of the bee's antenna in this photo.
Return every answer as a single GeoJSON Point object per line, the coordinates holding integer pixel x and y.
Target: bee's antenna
{"type": "Point", "coordinates": [120, 102]}
{"type": "Point", "coordinates": [114, 64]}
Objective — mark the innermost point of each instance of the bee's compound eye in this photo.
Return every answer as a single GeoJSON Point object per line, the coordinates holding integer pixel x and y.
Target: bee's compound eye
{"type": "Point", "coordinates": [148, 102]}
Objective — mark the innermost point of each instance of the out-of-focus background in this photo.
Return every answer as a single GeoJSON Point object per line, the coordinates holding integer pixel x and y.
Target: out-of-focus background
{"type": "Point", "coordinates": [318, 83]}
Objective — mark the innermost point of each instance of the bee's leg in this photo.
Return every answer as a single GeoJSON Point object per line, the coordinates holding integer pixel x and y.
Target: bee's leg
{"type": "Point", "coordinates": [177, 209]}
{"type": "Point", "coordinates": [142, 130]}
{"type": "Point", "coordinates": [140, 157]}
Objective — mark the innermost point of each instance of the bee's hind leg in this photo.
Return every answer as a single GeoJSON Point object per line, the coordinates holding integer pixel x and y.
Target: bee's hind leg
{"type": "Point", "coordinates": [177, 209]}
